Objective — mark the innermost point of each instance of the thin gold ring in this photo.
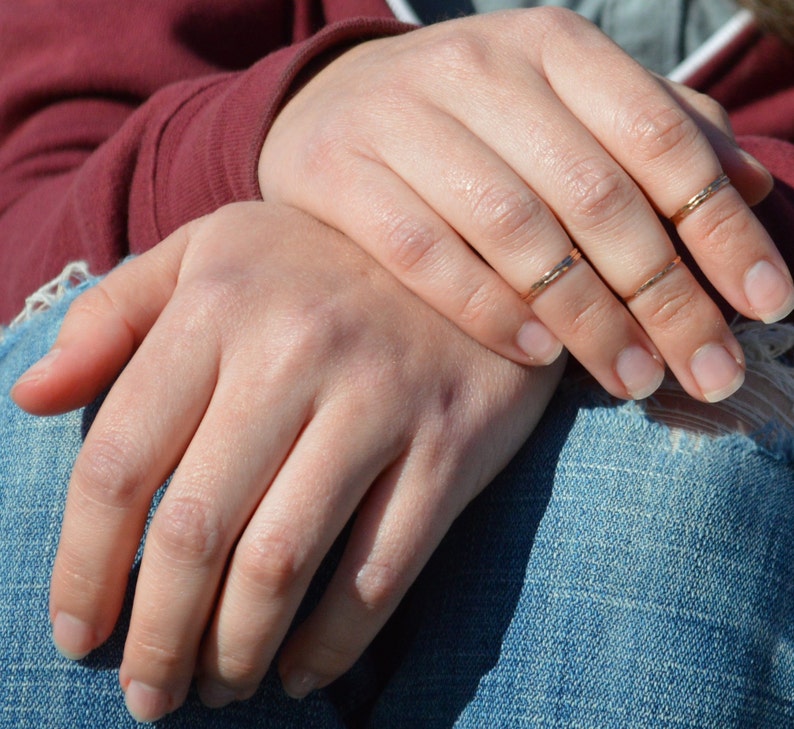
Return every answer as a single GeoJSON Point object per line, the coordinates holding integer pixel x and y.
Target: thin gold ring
{"type": "Point", "coordinates": [548, 278]}
{"type": "Point", "coordinates": [654, 279]}
{"type": "Point", "coordinates": [695, 202]}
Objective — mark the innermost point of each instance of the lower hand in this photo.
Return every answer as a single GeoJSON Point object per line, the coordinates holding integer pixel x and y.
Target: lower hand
{"type": "Point", "coordinates": [290, 382]}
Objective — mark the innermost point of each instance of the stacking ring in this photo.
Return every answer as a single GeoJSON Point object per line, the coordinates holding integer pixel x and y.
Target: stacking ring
{"type": "Point", "coordinates": [695, 202]}
{"type": "Point", "coordinates": [552, 275]}
{"type": "Point", "coordinates": [654, 279]}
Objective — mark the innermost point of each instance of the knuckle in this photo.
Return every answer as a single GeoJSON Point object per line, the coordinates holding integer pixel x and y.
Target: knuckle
{"type": "Point", "coordinates": [462, 53]}
{"type": "Point", "coordinates": [721, 228]}
{"type": "Point", "coordinates": [196, 310]}
{"type": "Point", "coordinates": [677, 310]}
{"type": "Point", "coordinates": [377, 586]}
{"type": "Point", "coordinates": [475, 305]}
{"type": "Point", "coordinates": [203, 299]}
{"type": "Point", "coordinates": [188, 529]}
{"type": "Point", "coordinates": [159, 659]}
{"type": "Point", "coordinates": [586, 316]}
{"type": "Point", "coordinates": [318, 327]}
{"type": "Point", "coordinates": [558, 20]}
{"type": "Point", "coordinates": [598, 192]}
{"type": "Point", "coordinates": [91, 304]}
{"type": "Point", "coordinates": [108, 470]}
{"type": "Point", "coordinates": [659, 131]}
{"type": "Point", "coordinates": [411, 244]}
{"type": "Point", "coordinates": [713, 111]}
{"type": "Point", "coordinates": [272, 561]}
{"type": "Point", "coordinates": [374, 381]}
{"type": "Point", "coordinates": [77, 584]}
{"type": "Point", "coordinates": [331, 656]}
{"type": "Point", "coordinates": [239, 670]}
{"type": "Point", "coordinates": [509, 216]}
{"type": "Point", "coordinates": [323, 154]}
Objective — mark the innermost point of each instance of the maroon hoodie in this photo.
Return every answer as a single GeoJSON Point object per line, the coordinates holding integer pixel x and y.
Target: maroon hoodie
{"type": "Point", "coordinates": [121, 121]}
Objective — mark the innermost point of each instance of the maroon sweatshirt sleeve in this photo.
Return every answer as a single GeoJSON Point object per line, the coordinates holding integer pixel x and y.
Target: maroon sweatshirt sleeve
{"type": "Point", "coordinates": [121, 121]}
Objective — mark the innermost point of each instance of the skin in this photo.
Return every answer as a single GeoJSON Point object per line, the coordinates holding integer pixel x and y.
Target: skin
{"type": "Point", "coordinates": [469, 157]}
{"type": "Point", "coordinates": [297, 381]}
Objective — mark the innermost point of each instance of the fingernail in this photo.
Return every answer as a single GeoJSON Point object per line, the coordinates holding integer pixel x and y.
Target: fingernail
{"type": "Point", "coordinates": [38, 370]}
{"type": "Point", "coordinates": [73, 638]}
{"type": "Point", "coordinates": [716, 372]}
{"type": "Point", "coordinates": [216, 695]}
{"type": "Point", "coordinates": [769, 291]}
{"type": "Point", "coordinates": [639, 371]}
{"type": "Point", "coordinates": [299, 684]}
{"type": "Point", "coordinates": [754, 163]}
{"type": "Point", "coordinates": [146, 703]}
{"type": "Point", "coordinates": [538, 343]}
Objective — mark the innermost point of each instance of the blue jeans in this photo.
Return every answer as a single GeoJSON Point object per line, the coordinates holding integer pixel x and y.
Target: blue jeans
{"type": "Point", "coordinates": [620, 572]}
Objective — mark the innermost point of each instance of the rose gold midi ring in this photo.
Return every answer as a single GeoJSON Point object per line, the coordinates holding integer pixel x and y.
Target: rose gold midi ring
{"type": "Point", "coordinates": [654, 279]}
{"type": "Point", "coordinates": [695, 202]}
{"type": "Point", "coordinates": [548, 278]}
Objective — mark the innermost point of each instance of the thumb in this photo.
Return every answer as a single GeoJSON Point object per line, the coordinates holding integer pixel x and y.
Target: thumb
{"type": "Point", "coordinates": [100, 332]}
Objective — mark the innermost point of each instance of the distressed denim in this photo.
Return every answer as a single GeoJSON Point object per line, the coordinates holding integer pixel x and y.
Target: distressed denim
{"type": "Point", "coordinates": [619, 573]}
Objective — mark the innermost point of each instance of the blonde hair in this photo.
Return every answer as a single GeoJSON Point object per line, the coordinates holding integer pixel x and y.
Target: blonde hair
{"type": "Point", "coordinates": [775, 16]}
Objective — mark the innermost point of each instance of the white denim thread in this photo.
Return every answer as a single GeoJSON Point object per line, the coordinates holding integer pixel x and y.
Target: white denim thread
{"type": "Point", "coordinates": [73, 275]}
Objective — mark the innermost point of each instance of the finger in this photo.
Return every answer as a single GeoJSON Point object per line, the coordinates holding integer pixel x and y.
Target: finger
{"type": "Point", "coordinates": [136, 440]}
{"type": "Point", "coordinates": [516, 233]}
{"type": "Point", "coordinates": [611, 219]}
{"type": "Point", "coordinates": [101, 330]}
{"type": "Point", "coordinates": [212, 495]}
{"type": "Point", "coordinates": [715, 367]}
{"type": "Point", "coordinates": [521, 242]}
{"type": "Point", "coordinates": [397, 528]}
{"type": "Point", "coordinates": [663, 149]}
{"type": "Point", "coordinates": [398, 525]}
{"type": "Point", "coordinates": [750, 178]}
{"type": "Point", "coordinates": [305, 509]}
{"type": "Point", "coordinates": [426, 254]}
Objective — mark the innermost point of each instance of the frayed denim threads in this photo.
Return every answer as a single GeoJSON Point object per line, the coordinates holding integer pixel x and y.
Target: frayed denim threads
{"type": "Point", "coordinates": [620, 572]}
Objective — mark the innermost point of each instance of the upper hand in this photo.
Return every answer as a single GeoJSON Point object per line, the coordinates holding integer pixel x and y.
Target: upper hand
{"type": "Point", "coordinates": [523, 134]}
{"type": "Point", "coordinates": [290, 382]}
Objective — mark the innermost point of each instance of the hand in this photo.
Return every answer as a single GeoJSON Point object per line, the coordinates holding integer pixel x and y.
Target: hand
{"type": "Point", "coordinates": [291, 382]}
{"type": "Point", "coordinates": [519, 133]}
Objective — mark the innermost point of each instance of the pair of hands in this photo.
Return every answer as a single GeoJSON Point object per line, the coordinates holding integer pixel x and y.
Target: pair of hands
{"type": "Point", "coordinates": [291, 381]}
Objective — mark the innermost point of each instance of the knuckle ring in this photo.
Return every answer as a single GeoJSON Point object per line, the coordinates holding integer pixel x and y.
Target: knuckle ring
{"type": "Point", "coordinates": [654, 279]}
{"type": "Point", "coordinates": [552, 275]}
{"type": "Point", "coordinates": [695, 202]}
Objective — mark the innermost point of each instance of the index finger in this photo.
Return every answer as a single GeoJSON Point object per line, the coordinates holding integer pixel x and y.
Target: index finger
{"type": "Point", "coordinates": [139, 434]}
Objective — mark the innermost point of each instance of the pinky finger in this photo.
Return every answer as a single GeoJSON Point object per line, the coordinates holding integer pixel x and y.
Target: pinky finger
{"type": "Point", "coordinates": [371, 580]}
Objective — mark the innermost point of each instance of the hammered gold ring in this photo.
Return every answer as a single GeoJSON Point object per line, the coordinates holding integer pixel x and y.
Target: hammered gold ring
{"type": "Point", "coordinates": [548, 278]}
{"type": "Point", "coordinates": [654, 279]}
{"type": "Point", "coordinates": [695, 202]}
